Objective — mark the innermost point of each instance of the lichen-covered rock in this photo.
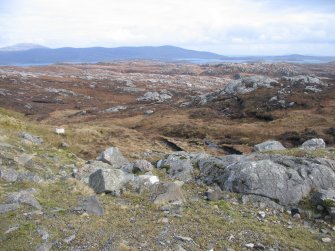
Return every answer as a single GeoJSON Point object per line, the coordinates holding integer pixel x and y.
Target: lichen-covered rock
{"type": "Point", "coordinates": [164, 193]}
{"type": "Point", "coordinates": [109, 180]}
{"type": "Point", "coordinates": [282, 178]}
{"type": "Point", "coordinates": [113, 156]}
{"type": "Point", "coordinates": [29, 138]}
{"type": "Point", "coordinates": [313, 144]}
{"type": "Point", "coordinates": [24, 197]}
{"type": "Point", "coordinates": [178, 166]}
{"type": "Point", "coordinates": [270, 145]}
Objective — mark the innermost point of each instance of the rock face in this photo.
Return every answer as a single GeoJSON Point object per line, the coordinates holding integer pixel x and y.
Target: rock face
{"type": "Point", "coordinates": [178, 166]}
{"type": "Point", "coordinates": [282, 178]}
{"type": "Point", "coordinates": [313, 144]}
{"type": "Point", "coordinates": [155, 96]}
{"type": "Point", "coordinates": [270, 145]}
{"type": "Point", "coordinates": [113, 156]}
{"type": "Point", "coordinates": [109, 180]}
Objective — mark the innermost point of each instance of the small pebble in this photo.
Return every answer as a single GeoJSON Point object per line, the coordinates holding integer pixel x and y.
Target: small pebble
{"type": "Point", "coordinates": [326, 240]}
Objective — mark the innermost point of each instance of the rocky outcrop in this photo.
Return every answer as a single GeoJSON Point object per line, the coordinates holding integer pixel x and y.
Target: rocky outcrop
{"type": "Point", "coordinates": [248, 84]}
{"type": "Point", "coordinates": [282, 178]}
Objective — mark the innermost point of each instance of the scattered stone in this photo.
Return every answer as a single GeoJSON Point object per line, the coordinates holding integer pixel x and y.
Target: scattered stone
{"type": "Point", "coordinates": [113, 156]}
{"type": "Point", "coordinates": [326, 240]}
{"type": "Point", "coordinates": [163, 220]}
{"type": "Point", "coordinates": [12, 229]}
{"type": "Point", "coordinates": [25, 160]}
{"type": "Point", "coordinates": [250, 245]}
{"type": "Point", "coordinates": [91, 205]}
{"type": "Point", "coordinates": [64, 145]}
{"type": "Point", "coordinates": [9, 175]}
{"type": "Point", "coordinates": [69, 239]}
{"type": "Point", "coordinates": [24, 197]}
{"type": "Point", "coordinates": [115, 109]}
{"type": "Point", "coordinates": [261, 214]}
{"type": "Point", "coordinates": [270, 145]}
{"type": "Point", "coordinates": [259, 246]}
{"type": "Point", "coordinates": [31, 138]}
{"type": "Point", "coordinates": [43, 233]}
{"type": "Point", "coordinates": [313, 144]}
{"type": "Point", "coordinates": [44, 247]}
{"type": "Point", "coordinates": [214, 194]}
{"type": "Point", "coordinates": [4, 208]}
{"type": "Point", "coordinates": [148, 112]}
{"type": "Point", "coordinates": [183, 238]}
{"type": "Point", "coordinates": [167, 192]}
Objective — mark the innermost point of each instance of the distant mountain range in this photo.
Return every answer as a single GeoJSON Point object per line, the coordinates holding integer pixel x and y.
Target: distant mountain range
{"type": "Point", "coordinates": [30, 54]}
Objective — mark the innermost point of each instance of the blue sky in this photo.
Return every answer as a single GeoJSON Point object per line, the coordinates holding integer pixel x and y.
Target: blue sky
{"type": "Point", "coordinates": [239, 27]}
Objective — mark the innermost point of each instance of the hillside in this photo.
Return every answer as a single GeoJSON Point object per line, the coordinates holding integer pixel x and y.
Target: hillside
{"type": "Point", "coordinates": [142, 155]}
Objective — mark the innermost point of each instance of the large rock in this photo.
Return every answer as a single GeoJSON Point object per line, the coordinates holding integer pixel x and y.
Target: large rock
{"type": "Point", "coordinates": [109, 180]}
{"type": "Point", "coordinates": [178, 166]}
{"type": "Point", "coordinates": [313, 144]}
{"type": "Point", "coordinates": [113, 156]}
{"type": "Point", "coordinates": [90, 167]}
{"type": "Point", "coordinates": [284, 179]}
{"type": "Point", "coordinates": [270, 145]}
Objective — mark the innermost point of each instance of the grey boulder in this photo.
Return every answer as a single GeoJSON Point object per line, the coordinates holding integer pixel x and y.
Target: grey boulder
{"type": "Point", "coordinates": [29, 138]}
{"type": "Point", "coordinates": [113, 157]}
{"type": "Point", "coordinates": [313, 144]}
{"type": "Point", "coordinates": [270, 145]}
{"type": "Point", "coordinates": [109, 180]}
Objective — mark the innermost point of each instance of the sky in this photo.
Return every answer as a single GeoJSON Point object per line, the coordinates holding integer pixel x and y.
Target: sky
{"type": "Point", "coordinates": [227, 27]}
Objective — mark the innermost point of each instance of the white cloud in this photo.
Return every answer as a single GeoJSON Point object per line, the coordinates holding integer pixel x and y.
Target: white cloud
{"type": "Point", "coordinates": [216, 25]}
